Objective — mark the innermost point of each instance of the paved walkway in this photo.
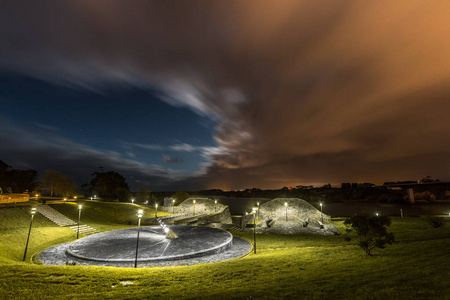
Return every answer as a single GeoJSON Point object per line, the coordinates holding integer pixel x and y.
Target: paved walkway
{"type": "Point", "coordinates": [118, 248]}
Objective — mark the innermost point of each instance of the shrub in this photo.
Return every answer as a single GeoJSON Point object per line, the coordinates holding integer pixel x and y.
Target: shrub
{"type": "Point", "coordinates": [436, 222]}
{"type": "Point", "coordinates": [371, 231]}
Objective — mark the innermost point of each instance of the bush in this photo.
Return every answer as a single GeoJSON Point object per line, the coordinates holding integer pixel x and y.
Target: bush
{"type": "Point", "coordinates": [436, 222]}
{"type": "Point", "coordinates": [371, 230]}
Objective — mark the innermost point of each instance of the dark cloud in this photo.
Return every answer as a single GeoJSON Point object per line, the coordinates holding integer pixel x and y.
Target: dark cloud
{"type": "Point", "coordinates": [43, 150]}
{"type": "Point", "coordinates": [302, 91]}
{"type": "Point", "coordinates": [172, 160]}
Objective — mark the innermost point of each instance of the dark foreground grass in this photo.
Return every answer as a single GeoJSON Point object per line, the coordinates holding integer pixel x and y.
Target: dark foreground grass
{"type": "Point", "coordinates": [285, 267]}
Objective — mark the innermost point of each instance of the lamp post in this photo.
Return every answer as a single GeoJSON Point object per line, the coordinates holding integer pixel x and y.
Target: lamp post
{"type": "Point", "coordinates": [140, 213]}
{"type": "Point", "coordinates": [132, 201]}
{"type": "Point", "coordinates": [215, 205]}
{"type": "Point", "coordinates": [173, 206]}
{"type": "Point", "coordinates": [285, 204]}
{"type": "Point", "coordinates": [194, 206]}
{"type": "Point", "coordinates": [254, 230]}
{"type": "Point", "coordinates": [33, 212]}
{"type": "Point", "coordinates": [257, 203]}
{"type": "Point", "coordinates": [321, 212]}
{"type": "Point", "coordinates": [79, 216]}
{"type": "Point", "coordinates": [156, 212]}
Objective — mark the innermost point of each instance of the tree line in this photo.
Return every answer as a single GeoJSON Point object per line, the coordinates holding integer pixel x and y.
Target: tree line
{"type": "Point", "coordinates": [105, 185]}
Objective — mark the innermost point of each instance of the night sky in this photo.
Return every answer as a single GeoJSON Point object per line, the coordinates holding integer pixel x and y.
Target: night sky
{"type": "Point", "coordinates": [227, 94]}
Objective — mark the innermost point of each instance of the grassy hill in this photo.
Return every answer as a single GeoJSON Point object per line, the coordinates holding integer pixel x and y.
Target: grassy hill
{"type": "Point", "coordinates": [295, 267]}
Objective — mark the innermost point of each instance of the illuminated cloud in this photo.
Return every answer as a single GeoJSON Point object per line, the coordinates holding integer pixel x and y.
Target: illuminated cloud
{"type": "Point", "coordinates": [302, 91]}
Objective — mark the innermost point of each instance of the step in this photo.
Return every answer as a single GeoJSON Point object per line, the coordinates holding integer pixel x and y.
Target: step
{"type": "Point", "coordinates": [54, 216]}
{"type": "Point", "coordinates": [63, 221]}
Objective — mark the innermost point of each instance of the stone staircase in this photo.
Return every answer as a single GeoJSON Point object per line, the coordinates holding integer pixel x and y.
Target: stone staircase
{"type": "Point", "coordinates": [55, 216]}
{"type": "Point", "coordinates": [61, 220]}
{"type": "Point", "coordinates": [85, 229]}
{"type": "Point", "coordinates": [234, 228]}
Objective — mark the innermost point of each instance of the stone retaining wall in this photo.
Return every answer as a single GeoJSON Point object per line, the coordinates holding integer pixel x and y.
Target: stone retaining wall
{"type": "Point", "coordinates": [11, 198]}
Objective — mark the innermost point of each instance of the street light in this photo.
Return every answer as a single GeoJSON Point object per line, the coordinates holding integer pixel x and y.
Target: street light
{"type": "Point", "coordinates": [140, 213]}
{"type": "Point", "coordinates": [285, 204]}
{"type": "Point", "coordinates": [257, 203]}
{"type": "Point", "coordinates": [215, 205]}
{"type": "Point", "coordinates": [254, 230]}
{"type": "Point", "coordinates": [194, 206]}
{"type": "Point", "coordinates": [173, 204]}
{"type": "Point", "coordinates": [79, 216]}
{"type": "Point", "coordinates": [376, 214]}
{"type": "Point", "coordinates": [132, 201]}
{"type": "Point", "coordinates": [33, 212]}
{"type": "Point", "coordinates": [156, 212]}
{"type": "Point", "coordinates": [321, 212]}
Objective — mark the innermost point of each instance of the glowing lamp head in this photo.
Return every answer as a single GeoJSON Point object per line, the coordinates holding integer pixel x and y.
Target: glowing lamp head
{"type": "Point", "coordinates": [321, 204]}
{"type": "Point", "coordinates": [257, 203]}
{"type": "Point", "coordinates": [376, 214]}
{"type": "Point", "coordinates": [215, 201]}
{"type": "Point", "coordinates": [33, 210]}
{"type": "Point", "coordinates": [246, 213]}
{"type": "Point", "coordinates": [156, 205]}
{"type": "Point", "coordinates": [80, 207]}
{"type": "Point", "coordinates": [173, 201]}
{"type": "Point", "coordinates": [166, 230]}
{"type": "Point", "coordinates": [36, 195]}
{"type": "Point", "coordinates": [285, 204]}
{"type": "Point", "coordinates": [140, 212]}
{"type": "Point", "coordinates": [193, 201]}
{"type": "Point", "coordinates": [74, 197]}
{"type": "Point", "coordinates": [65, 199]}
{"type": "Point", "coordinates": [254, 210]}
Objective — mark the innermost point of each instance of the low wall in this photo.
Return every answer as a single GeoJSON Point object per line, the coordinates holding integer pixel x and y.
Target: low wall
{"type": "Point", "coordinates": [11, 198]}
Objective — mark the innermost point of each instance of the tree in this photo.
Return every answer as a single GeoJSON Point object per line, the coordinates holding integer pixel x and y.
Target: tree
{"type": "Point", "coordinates": [143, 194]}
{"type": "Point", "coordinates": [17, 181]}
{"type": "Point", "coordinates": [180, 196]}
{"type": "Point", "coordinates": [109, 185]}
{"type": "Point", "coordinates": [371, 231]}
{"type": "Point", "coordinates": [4, 182]}
{"type": "Point", "coordinates": [56, 183]}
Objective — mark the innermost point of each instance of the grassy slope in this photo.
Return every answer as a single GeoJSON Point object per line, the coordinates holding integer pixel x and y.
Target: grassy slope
{"type": "Point", "coordinates": [285, 266]}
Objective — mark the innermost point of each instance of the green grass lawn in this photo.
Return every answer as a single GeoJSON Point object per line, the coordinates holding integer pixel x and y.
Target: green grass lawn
{"type": "Point", "coordinates": [285, 267]}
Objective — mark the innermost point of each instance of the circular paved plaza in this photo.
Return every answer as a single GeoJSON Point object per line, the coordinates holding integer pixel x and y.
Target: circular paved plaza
{"type": "Point", "coordinates": [194, 245]}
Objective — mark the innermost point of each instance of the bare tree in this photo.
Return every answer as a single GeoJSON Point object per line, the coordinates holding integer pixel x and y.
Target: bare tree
{"type": "Point", "coordinates": [57, 183]}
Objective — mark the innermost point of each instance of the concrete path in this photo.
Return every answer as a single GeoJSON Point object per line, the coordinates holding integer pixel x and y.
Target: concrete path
{"type": "Point", "coordinates": [118, 248]}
